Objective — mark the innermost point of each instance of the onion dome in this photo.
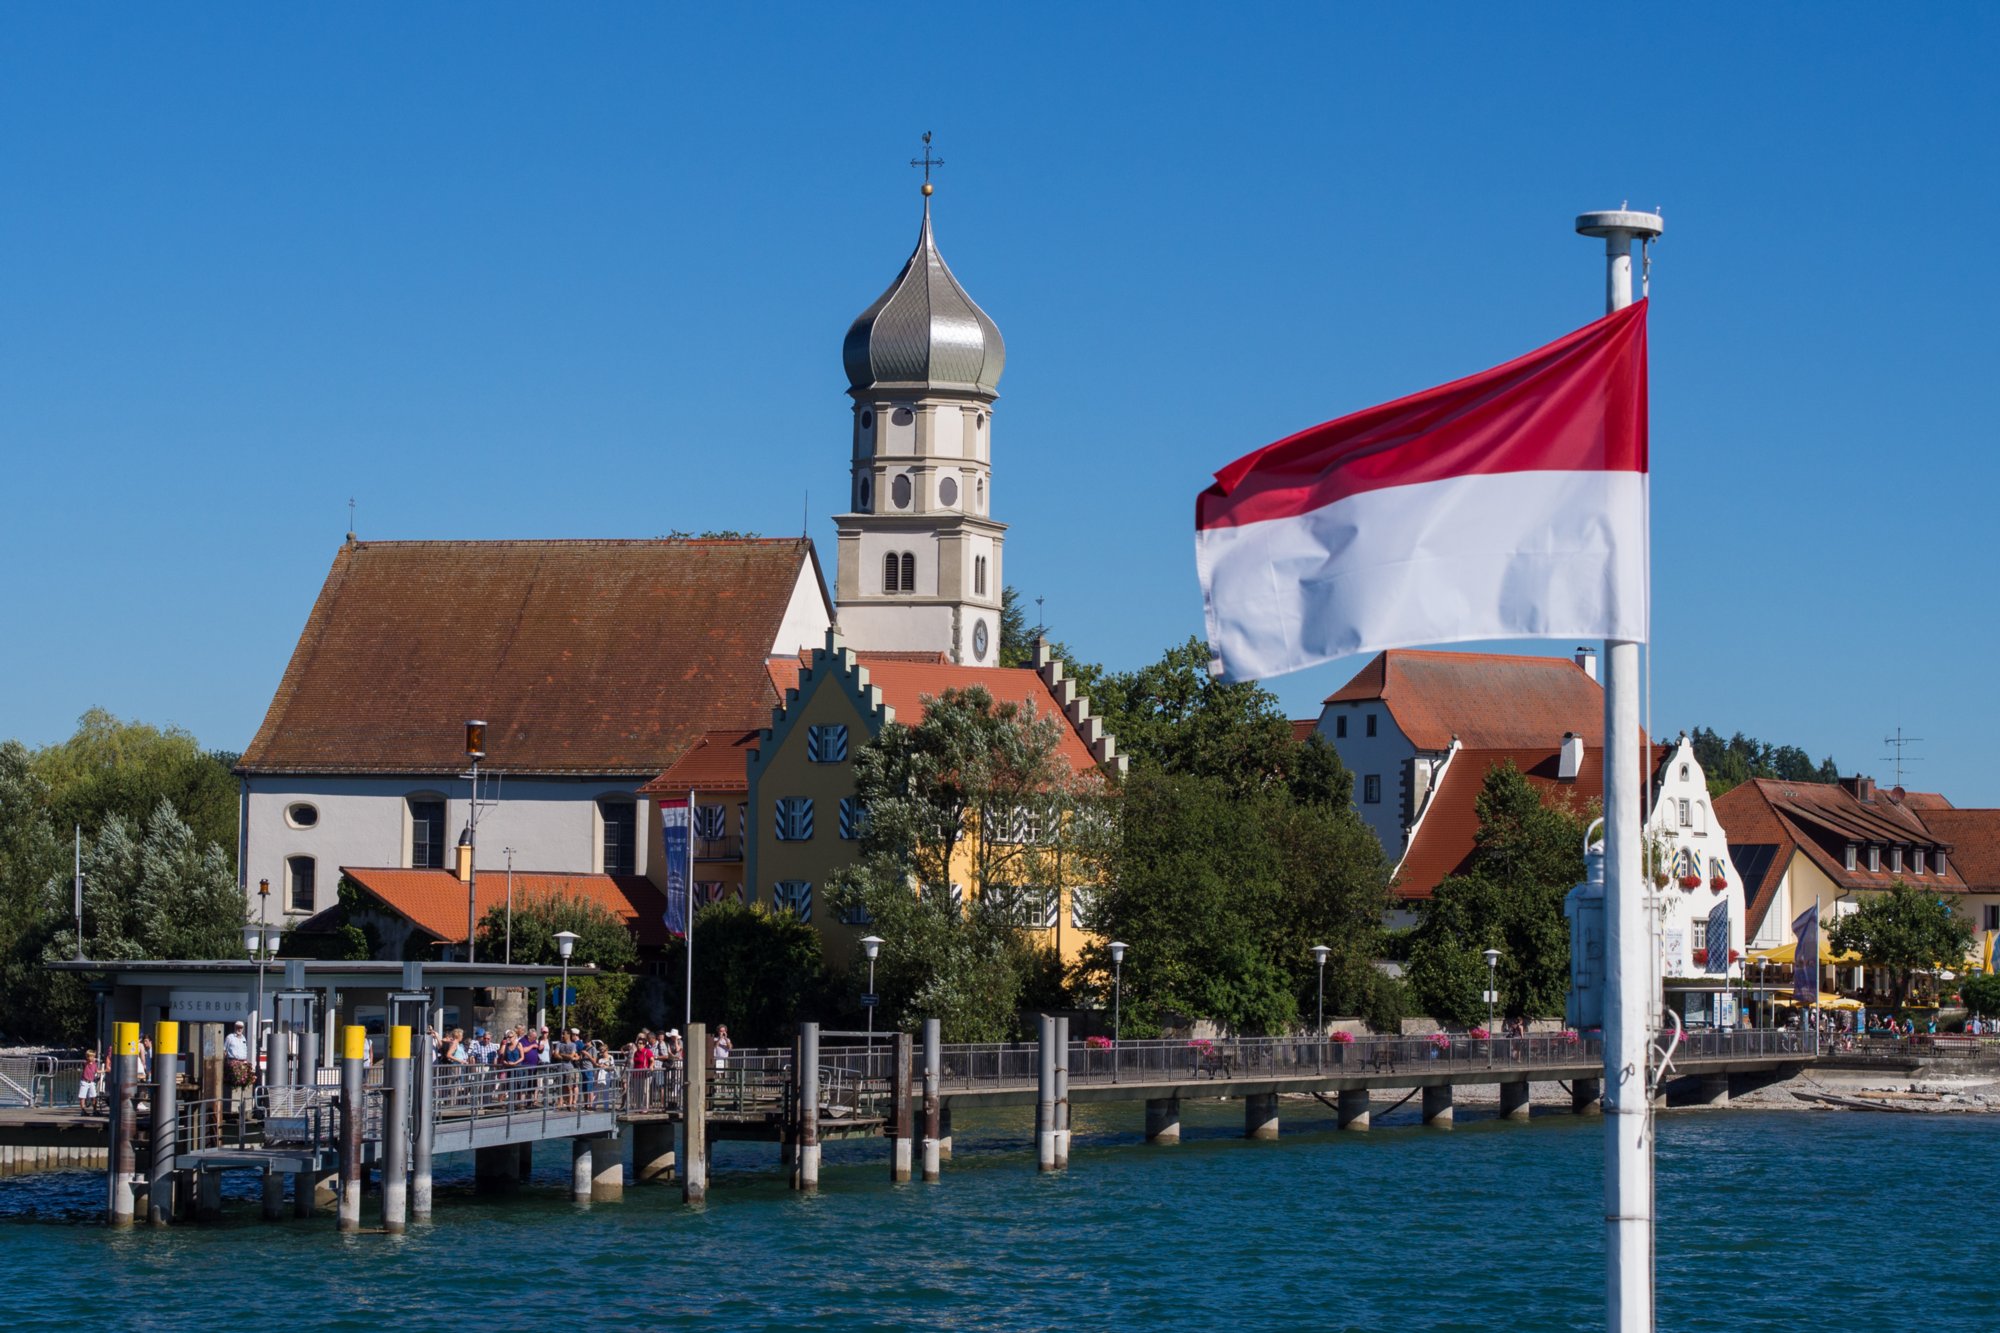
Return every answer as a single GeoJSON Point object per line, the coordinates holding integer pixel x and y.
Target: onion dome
{"type": "Point", "coordinates": [925, 333]}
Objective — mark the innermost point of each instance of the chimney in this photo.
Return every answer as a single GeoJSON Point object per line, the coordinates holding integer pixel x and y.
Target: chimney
{"type": "Point", "coordinates": [1587, 659]}
{"type": "Point", "coordinates": [1572, 757]}
{"type": "Point", "coordinates": [1865, 789]}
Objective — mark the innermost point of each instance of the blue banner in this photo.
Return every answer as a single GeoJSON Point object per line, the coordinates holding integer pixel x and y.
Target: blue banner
{"type": "Point", "coordinates": [1718, 938]}
{"type": "Point", "coordinates": [1805, 956]}
{"type": "Point", "coordinates": [674, 830]}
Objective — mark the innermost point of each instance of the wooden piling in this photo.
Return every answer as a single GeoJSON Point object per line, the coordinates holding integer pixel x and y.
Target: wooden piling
{"type": "Point", "coordinates": [694, 1117]}
{"type": "Point", "coordinates": [900, 1106]}
{"type": "Point", "coordinates": [933, 1072]}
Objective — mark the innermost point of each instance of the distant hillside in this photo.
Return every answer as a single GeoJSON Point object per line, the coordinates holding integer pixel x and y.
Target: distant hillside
{"type": "Point", "coordinates": [1740, 758]}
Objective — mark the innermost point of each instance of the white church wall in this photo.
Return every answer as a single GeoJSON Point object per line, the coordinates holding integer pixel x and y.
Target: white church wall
{"type": "Point", "coordinates": [897, 628]}
{"type": "Point", "coordinates": [552, 825]}
{"type": "Point", "coordinates": [806, 619]}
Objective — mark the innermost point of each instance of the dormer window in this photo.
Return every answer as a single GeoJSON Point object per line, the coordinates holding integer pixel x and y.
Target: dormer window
{"type": "Point", "coordinates": [1896, 861]}
{"type": "Point", "coordinates": [1850, 855]}
{"type": "Point", "coordinates": [1874, 859]}
{"type": "Point", "coordinates": [1917, 861]}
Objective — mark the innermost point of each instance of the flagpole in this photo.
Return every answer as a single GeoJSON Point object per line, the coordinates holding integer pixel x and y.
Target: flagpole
{"type": "Point", "coordinates": [1628, 927]}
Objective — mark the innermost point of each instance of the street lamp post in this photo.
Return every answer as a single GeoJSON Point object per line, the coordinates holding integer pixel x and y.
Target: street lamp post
{"type": "Point", "coordinates": [1319, 953]}
{"type": "Point", "coordinates": [508, 955]}
{"type": "Point", "coordinates": [565, 942]}
{"type": "Point", "coordinates": [1492, 994]}
{"type": "Point", "coordinates": [475, 750]}
{"type": "Point", "coordinates": [260, 942]}
{"type": "Point", "coordinates": [1117, 1000]}
{"type": "Point", "coordinates": [871, 945]}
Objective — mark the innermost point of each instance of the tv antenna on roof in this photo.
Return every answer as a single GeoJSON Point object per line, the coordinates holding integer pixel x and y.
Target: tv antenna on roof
{"type": "Point", "coordinates": [1897, 744]}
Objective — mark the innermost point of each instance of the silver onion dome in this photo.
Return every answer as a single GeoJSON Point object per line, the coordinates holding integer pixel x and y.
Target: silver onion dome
{"type": "Point", "coordinates": [925, 332]}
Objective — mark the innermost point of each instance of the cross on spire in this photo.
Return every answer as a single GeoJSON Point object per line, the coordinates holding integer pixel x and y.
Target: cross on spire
{"type": "Point", "coordinates": [927, 162]}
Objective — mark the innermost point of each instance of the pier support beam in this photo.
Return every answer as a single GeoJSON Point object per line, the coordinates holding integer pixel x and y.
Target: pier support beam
{"type": "Point", "coordinates": [607, 1174]}
{"type": "Point", "coordinates": [1352, 1109]}
{"type": "Point", "coordinates": [166, 1081]}
{"type": "Point", "coordinates": [1260, 1116]}
{"type": "Point", "coordinates": [1586, 1097]}
{"type": "Point", "coordinates": [123, 1160]}
{"type": "Point", "coordinates": [302, 1194]}
{"type": "Point", "coordinates": [1514, 1100]}
{"type": "Point", "coordinates": [1062, 1094]}
{"type": "Point", "coordinates": [1712, 1090]}
{"type": "Point", "coordinates": [274, 1196]}
{"type": "Point", "coordinates": [208, 1196]}
{"type": "Point", "coordinates": [1437, 1105]}
{"type": "Point", "coordinates": [580, 1172]}
{"type": "Point", "coordinates": [1045, 1093]}
{"type": "Point", "coordinates": [524, 1162]}
{"type": "Point", "coordinates": [805, 1170]}
{"type": "Point", "coordinates": [653, 1153]}
{"type": "Point", "coordinates": [944, 1131]}
{"type": "Point", "coordinates": [1163, 1120]}
{"type": "Point", "coordinates": [396, 1136]}
{"type": "Point", "coordinates": [694, 1122]}
{"type": "Point", "coordinates": [496, 1170]}
{"type": "Point", "coordinates": [902, 1103]}
{"type": "Point", "coordinates": [933, 1072]}
{"type": "Point", "coordinates": [353, 1051]}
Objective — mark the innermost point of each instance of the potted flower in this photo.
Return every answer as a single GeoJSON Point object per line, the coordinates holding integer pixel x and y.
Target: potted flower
{"type": "Point", "coordinates": [1735, 956]}
{"type": "Point", "coordinates": [1718, 883]}
{"type": "Point", "coordinates": [1701, 956]}
{"type": "Point", "coordinates": [1440, 1045]}
{"type": "Point", "coordinates": [1690, 881]}
{"type": "Point", "coordinates": [1568, 1037]}
{"type": "Point", "coordinates": [1097, 1043]}
{"type": "Point", "coordinates": [1341, 1041]}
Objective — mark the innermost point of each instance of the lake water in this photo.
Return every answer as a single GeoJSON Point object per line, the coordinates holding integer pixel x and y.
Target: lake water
{"type": "Point", "coordinates": [1768, 1220]}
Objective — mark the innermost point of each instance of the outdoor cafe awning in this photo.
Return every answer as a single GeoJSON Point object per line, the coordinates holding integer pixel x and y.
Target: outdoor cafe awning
{"type": "Point", "coordinates": [1786, 953]}
{"type": "Point", "coordinates": [1825, 1001]}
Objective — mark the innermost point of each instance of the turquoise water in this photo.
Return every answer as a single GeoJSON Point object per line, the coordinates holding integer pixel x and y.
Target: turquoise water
{"type": "Point", "coordinates": [1769, 1220]}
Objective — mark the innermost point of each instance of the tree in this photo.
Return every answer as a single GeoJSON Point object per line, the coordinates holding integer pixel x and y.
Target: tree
{"type": "Point", "coordinates": [1904, 930]}
{"type": "Point", "coordinates": [1527, 856]}
{"type": "Point", "coordinates": [112, 767]}
{"type": "Point", "coordinates": [1017, 645]}
{"type": "Point", "coordinates": [31, 859]}
{"type": "Point", "coordinates": [1735, 761]}
{"type": "Point", "coordinates": [974, 817]}
{"type": "Point", "coordinates": [603, 1002]}
{"type": "Point", "coordinates": [1981, 993]}
{"type": "Point", "coordinates": [754, 969]}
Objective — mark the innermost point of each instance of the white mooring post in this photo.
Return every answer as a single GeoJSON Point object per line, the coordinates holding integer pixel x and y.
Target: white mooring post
{"type": "Point", "coordinates": [1629, 1000]}
{"type": "Point", "coordinates": [933, 1071]}
{"type": "Point", "coordinates": [1045, 1093]}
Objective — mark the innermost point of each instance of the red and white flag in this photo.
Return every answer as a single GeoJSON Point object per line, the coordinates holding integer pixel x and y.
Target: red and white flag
{"type": "Point", "coordinates": [1511, 504]}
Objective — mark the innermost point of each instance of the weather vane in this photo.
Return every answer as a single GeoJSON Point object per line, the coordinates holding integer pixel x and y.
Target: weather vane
{"type": "Point", "coordinates": [927, 161]}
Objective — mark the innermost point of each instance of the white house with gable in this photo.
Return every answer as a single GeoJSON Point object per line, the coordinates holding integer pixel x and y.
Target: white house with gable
{"type": "Point", "coordinates": [1697, 891]}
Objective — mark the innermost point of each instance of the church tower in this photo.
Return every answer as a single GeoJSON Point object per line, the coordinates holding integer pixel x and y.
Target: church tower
{"type": "Point", "coordinates": [919, 557]}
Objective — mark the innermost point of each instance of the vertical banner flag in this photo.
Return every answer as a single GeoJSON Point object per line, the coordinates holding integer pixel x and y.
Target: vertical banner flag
{"type": "Point", "coordinates": [1510, 504]}
{"type": "Point", "coordinates": [1805, 956]}
{"type": "Point", "coordinates": [1718, 938]}
{"type": "Point", "coordinates": [674, 829]}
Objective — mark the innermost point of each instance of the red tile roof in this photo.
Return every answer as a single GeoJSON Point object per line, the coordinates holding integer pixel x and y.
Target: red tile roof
{"type": "Point", "coordinates": [718, 762]}
{"type": "Point", "coordinates": [1303, 728]}
{"type": "Point", "coordinates": [1973, 839]}
{"type": "Point", "coordinates": [1490, 701]}
{"type": "Point", "coordinates": [434, 900]}
{"type": "Point", "coordinates": [601, 657]}
{"type": "Point", "coordinates": [1444, 840]}
{"type": "Point", "coordinates": [906, 684]}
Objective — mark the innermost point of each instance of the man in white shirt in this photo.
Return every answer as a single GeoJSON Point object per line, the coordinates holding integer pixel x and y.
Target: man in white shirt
{"type": "Point", "coordinates": [238, 1072]}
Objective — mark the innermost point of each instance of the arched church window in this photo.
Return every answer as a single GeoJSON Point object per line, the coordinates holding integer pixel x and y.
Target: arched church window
{"type": "Point", "coordinates": [979, 491]}
{"type": "Point", "coordinates": [909, 572]}
{"type": "Point", "coordinates": [891, 577]}
{"type": "Point", "coordinates": [948, 492]}
{"type": "Point", "coordinates": [979, 576]}
{"type": "Point", "coordinates": [899, 491]}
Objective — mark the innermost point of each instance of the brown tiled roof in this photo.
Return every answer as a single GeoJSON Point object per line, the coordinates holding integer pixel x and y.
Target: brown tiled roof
{"type": "Point", "coordinates": [434, 900]}
{"type": "Point", "coordinates": [718, 762]}
{"type": "Point", "coordinates": [1490, 701]}
{"type": "Point", "coordinates": [906, 684]}
{"type": "Point", "coordinates": [1817, 820]}
{"type": "Point", "coordinates": [1972, 838]}
{"type": "Point", "coordinates": [1303, 728]}
{"type": "Point", "coordinates": [1444, 840]}
{"type": "Point", "coordinates": [601, 657]}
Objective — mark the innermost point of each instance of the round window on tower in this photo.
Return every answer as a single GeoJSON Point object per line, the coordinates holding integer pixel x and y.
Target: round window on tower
{"type": "Point", "coordinates": [302, 816]}
{"type": "Point", "coordinates": [867, 494]}
{"type": "Point", "coordinates": [867, 420]}
{"type": "Point", "coordinates": [899, 491]}
{"type": "Point", "coordinates": [948, 492]}
{"type": "Point", "coordinates": [904, 416]}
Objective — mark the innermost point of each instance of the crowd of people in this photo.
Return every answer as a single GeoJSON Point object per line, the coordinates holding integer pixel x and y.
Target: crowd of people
{"type": "Point", "coordinates": [654, 1064]}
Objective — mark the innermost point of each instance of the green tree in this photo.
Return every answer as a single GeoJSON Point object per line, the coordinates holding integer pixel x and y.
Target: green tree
{"type": "Point", "coordinates": [113, 767]}
{"type": "Point", "coordinates": [1981, 993]}
{"type": "Point", "coordinates": [754, 969]}
{"type": "Point", "coordinates": [1017, 641]}
{"type": "Point", "coordinates": [32, 862]}
{"type": "Point", "coordinates": [1904, 930]}
{"type": "Point", "coordinates": [1735, 761]}
{"type": "Point", "coordinates": [603, 1004]}
{"type": "Point", "coordinates": [1527, 856]}
{"type": "Point", "coordinates": [979, 794]}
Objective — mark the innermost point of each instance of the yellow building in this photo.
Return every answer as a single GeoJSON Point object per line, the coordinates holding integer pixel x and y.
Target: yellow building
{"type": "Point", "coordinates": [804, 820]}
{"type": "Point", "coordinates": [712, 772]}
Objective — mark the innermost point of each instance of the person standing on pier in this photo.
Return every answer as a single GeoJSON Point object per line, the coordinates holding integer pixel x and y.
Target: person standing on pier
{"type": "Point", "coordinates": [236, 1062]}
{"type": "Point", "coordinates": [721, 1046]}
{"type": "Point", "coordinates": [86, 1090]}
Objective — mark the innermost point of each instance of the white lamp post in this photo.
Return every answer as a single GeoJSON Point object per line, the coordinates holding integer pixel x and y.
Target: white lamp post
{"type": "Point", "coordinates": [871, 945]}
{"type": "Point", "coordinates": [565, 942]}
{"type": "Point", "coordinates": [1492, 994]}
{"type": "Point", "coordinates": [1319, 953]}
{"type": "Point", "coordinates": [1117, 999]}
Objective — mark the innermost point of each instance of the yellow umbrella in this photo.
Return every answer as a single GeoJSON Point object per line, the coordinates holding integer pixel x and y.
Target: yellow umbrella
{"type": "Point", "coordinates": [1787, 953]}
{"type": "Point", "coordinates": [1825, 1001]}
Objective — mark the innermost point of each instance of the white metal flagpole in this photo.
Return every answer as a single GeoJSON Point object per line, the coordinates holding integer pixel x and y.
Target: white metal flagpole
{"type": "Point", "coordinates": [1628, 927]}
{"type": "Point", "coordinates": [687, 921]}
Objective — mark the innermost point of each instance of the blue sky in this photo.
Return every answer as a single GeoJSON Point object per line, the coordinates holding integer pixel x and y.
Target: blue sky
{"type": "Point", "coordinates": [501, 272]}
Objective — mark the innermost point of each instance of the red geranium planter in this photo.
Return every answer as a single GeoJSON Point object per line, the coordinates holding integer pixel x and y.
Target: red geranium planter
{"type": "Point", "coordinates": [1690, 881]}
{"type": "Point", "coordinates": [1718, 884]}
{"type": "Point", "coordinates": [1701, 955]}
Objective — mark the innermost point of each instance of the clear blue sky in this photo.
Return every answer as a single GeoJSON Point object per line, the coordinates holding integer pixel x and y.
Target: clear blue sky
{"type": "Point", "coordinates": [502, 272]}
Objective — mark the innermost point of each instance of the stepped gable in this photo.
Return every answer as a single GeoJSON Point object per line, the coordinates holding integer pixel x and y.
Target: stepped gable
{"type": "Point", "coordinates": [601, 657]}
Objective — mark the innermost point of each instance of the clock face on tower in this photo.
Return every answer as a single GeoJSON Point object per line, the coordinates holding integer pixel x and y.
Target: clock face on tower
{"type": "Point", "coordinates": [979, 641]}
